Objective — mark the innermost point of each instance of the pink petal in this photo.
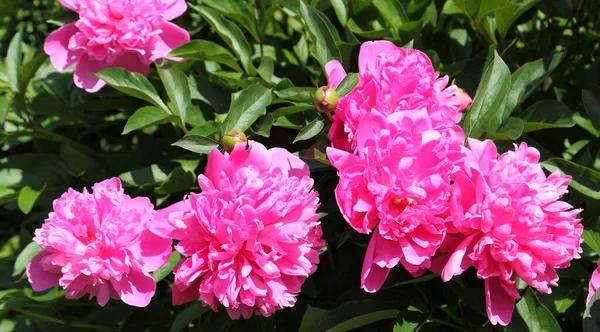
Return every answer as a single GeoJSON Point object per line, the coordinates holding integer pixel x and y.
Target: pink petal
{"type": "Point", "coordinates": [458, 263]}
{"type": "Point", "coordinates": [160, 225]}
{"type": "Point", "coordinates": [135, 288]}
{"type": "Point", "coordinates": [283, 159]}
{"type": "Point", "coordinates": [171, 37]}
{"type": "Point", "coordinates": [335, 73]}
{"type": "Point", "coordinates": [499, 304]}
{"type": "Point", "coordinates": [594, 284]}
{"type": "Point", "coordinates": [87, 67]}
{"type": "Point", "coordinates": [183, 294]}
{"type": "Point", "coordinates": [370, 50]}
{"type": "Point", "coordinates": [71, 4]}
{"type": "Point", "coordinates": [153, 250]}
{"type": "Point", "coordinates": [175, 9]}
{"type": "Point", "coordinates": [39, 278]}
{"type": "Point", "coordinates": [372, 276]}
{"type": "Point", "coordinates": [57, 47]}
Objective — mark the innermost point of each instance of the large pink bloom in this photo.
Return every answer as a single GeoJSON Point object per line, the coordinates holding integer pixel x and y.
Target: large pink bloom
{"type": "Point", "coordinates": [397, 186]}
{"type": "Point", "coordinates": [252, 236]}
{"type": "Point", "coordinates": [392, 80]}
{"type": "Point", "coordinates": [129, 34]}
{"type": "Point", "coordinates": [511, 223]}
{"type": "Point", "coordinates": [98, 243]}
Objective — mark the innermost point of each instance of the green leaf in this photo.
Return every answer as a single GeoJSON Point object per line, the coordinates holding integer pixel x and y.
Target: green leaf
{"type": "Point", "coordinates": [238, 11]}
{"type": "Point", "coordinates": [146, 117]}
{"type": "Point", "coordinates": [164, 271]}
{"type": "Point", "coordinates": [477, 10]}
{"type": "Point", "coordinates": [547, 114]}
{"type": "Point", "coordinates": [206, 129]}
{"type": "Point", "coordinates": [311, 130]}
{"type": "Point", "coordinates": [266, 68]}
{"type": "Point", "coordinates": [177, 87]}
{"type": "Point", "coordinates": [591, 315]}
{"type": "Point", "coordinates": [592, 239]}
{"type": "Point", "coordinates": [392, 12]}
{"type": "Point", "coordinates": [323, 46]}
{"type": "Point", "coordinates": [13, 61]}
{"type": "Point", "coordinates": [178, 180]}
{"type": "Point", "coordinates": [133, 84]}
{"type": "Point", "coordinates": [355, 314]}
{"type": "Point", "coordinates": [511, 129]}
{"type": "Point", "coordinates": [491, 93]}
{"type": "Point", "coordinates": [527, 78]}
{"type": "Point", "coordinates": [4, 108]}
{"type": "Point", "coordinates": [148, 176]}
{"type": "Point", "coordinates": [44, 296]}
{"type": "Point", "coordinates": [341, 10]}
{"type": "Point", "coordinates": [204, 50]}
{"type": "Point", "coordinates": [537, 317]}
{"type": "Point", "coordinates": [591, 103]}
{"type": "Point", "coordinates": [27, 198]}
{"type": "Point", "coordinates": [25, 256]}
{"type": "Point", "coordinates": [312, 319]}
{"type": "Point", "coordinates": [28, 69]}
{"type": "Point", "coordinates": [246, 107]}
{"type": "Point", "coordinates": [304, 95]}
{"type": "Point", "coordinates": [197, 144]}
{"type": "Point", "coordinates": [188, 315]}
{"type": "Point", "coordinates": [506, 17]}
{"type": "Point", "coordinates": [287, 110]}
{"type": "Point", "coordinates": [409, 320]}
{"type": "Point", "coordinates": [347, 84]}
{"type": "Point", "coordinates": [586, 124]}
{"type": "Point", "coordinates": [585, 180]}
{"type": "Point", "coordinates": [231, 34]}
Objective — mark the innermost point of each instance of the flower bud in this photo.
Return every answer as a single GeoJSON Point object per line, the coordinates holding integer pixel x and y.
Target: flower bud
{"type": "Point", "coordinates": [465, 100]}
{"type": "Point", "coordinates": [231, 138]}
{"type": "Point", "coordinates": [326, 99]}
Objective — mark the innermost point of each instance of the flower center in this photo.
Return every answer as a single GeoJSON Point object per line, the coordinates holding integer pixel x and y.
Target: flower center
{"type": "Point", "coordinates": [402, 203]}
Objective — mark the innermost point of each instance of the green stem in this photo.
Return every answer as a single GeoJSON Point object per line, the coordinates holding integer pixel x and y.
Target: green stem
{"type": "Point", "coordinates": [62, 321]}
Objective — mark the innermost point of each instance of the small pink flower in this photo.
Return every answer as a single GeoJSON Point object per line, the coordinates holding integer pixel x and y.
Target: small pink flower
{"type": "Point", "coordinates": [98, 243]}
{"type": "Point", "coordinates": [511, 222]}
{"type": "Point", "coordinates": [252, 236]}
{"type": "Point", "coordinates": [130, 34]}
{"type": "Point", "coordinates": [594, 284]}
{"type": "Point", "coordinates": [391, 80]}
{"type": "Point", "coordinates": [397, 186]}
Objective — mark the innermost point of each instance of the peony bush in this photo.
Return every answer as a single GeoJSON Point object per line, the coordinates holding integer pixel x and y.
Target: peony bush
{"type": "Point", "coordinates": [301, 166]}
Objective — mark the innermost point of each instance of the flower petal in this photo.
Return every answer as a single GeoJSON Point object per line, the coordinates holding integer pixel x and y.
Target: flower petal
{"type": "Point", "coordinates": [135, 288]}
{"type": "Point", "coordinates": [57, 47]}
{"type": "Point", "coordinates": [39, 278]}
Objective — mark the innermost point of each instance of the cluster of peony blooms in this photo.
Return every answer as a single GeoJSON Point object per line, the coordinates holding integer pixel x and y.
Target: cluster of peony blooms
{"type": "Point", "coordinates": [433, 204]}
{"type": "Point", "coordinates": [250, 238]}
{"type": "Point", "coordinates": [129, 34]}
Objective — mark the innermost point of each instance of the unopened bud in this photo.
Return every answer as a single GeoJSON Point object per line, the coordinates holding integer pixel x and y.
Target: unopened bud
{"type": "Point", "coordinates": [326, 99]}
{"type": "Point", "coordinates": [465, 100]}
{"type": "Point", "coordinates": [231, 138]}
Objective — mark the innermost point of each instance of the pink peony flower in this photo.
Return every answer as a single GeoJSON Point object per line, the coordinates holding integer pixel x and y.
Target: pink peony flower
{"type": "Point", "coordinates": [98, 243]}
{"type": "Point", "coordinates": [397, 186]}
{"type": "Point", "coordinates": [511, 223]}
{"type": "Point", "coordinates": [129, 34]}
{"type": "Point", "coordinates": [252, 236]}
{"type": "Point", "coordinates": [594, 284]}
{"type": "Point", "coordinates": [391, 80]}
